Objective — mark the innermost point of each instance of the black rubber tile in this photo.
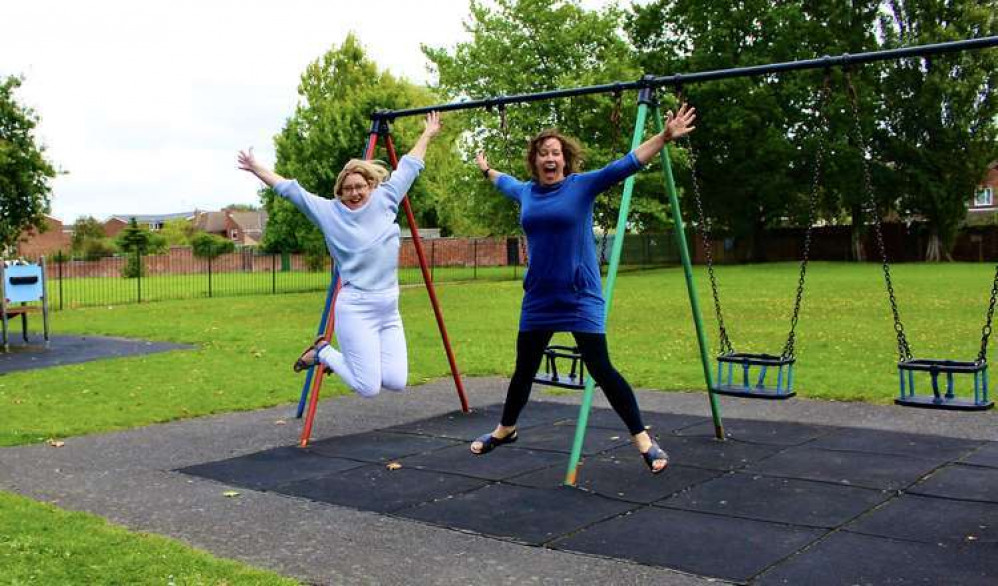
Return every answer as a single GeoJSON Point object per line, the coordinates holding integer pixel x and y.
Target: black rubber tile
{"type": "Point", "coordinates": [706, 452]}
{"type": "Point", "coordinates": [620, 478]}
{"type": "Point", "coordinates": [655, 422]}
{"type": "Point", "coordinates": [64, 350]}
{"type": "Point", "coordinates": [781, 500]}
{"type": "Point", "coordinates": [775, 433]}
{"type": "Point", "coordinates": [986, 455]}
{"type": "Point", "coordinates": [527, 515]}
{"type": "Point", "coordinates": [874, 441]}
{"type": "Point", "coordinates": [878, 471]}
{"type": "Point", "coordinates": [379, 446]}
{"type": "Point", "coordinates": [962, 483]}
{"type": "Point", "coordinates": [708, 545]}
{"type": "Point", "coordinates": [559, 438]}
{"type": "Point", "coordinates": [499, 464]}
{"type": "Point", "coordinates": [848, 558]}
{"type": "Point", "coordinates": [265, 470]}
{"type": "Point", "coordinates": [483, 419]}
{"type": "Point", "coordinates": [376, 488]}
{"type": "Point", "coordinates": [933, 520]}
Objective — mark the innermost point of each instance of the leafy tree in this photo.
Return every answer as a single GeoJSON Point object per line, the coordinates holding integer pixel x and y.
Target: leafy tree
{"type": "Point", "coordinates": [756, 137]}
{"type": "Point", "coordinates": [338, 93]}
{"type": "Point", "coordinates": [241, 207]}
{"type": "Point", "coordinates": [205, 245]}
{"type": "Point", "coordinates": [177, 232]}
{"type": "Point", "coordinates": [137, 241]}
{"type": "Point", "coordinates": [89, 239]}
{"type": "Point", "coordinates": [939, 128]}
{"type": "Point", "coordinates": [24, 171]}
{"type": "Point", "coordinates": [526, 46]}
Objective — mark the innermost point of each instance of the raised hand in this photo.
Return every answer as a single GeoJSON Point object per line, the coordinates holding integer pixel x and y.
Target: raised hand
{"type": "Point", "coordinates": [680, 125]}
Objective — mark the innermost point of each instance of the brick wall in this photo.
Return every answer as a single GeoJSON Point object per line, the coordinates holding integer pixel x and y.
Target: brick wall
{"type": "Point", "coordinates": [34, 244]}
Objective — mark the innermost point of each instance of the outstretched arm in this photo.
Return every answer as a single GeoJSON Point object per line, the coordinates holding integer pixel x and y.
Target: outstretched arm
{"type": "Point", "coordinates": [483, 166]}
{"type": "Point", "coordinates": [432, 128]}
{"type": "Point", "coordinates": [247, 162]}
{"type": "Point", "coordinates": [675, 127]}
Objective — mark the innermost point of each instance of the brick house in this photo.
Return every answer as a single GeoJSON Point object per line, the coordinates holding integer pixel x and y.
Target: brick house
{"type": "Point", "coordinates": [34, 244]}
{"type": "Point", "coordinates": [154, 222]}
{"type": "Point", "coordinates": [245, 228]}
{"type": "Point", "coordinates": [985, 201]}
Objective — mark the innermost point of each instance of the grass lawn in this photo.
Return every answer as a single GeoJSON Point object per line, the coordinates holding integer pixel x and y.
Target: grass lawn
{"type": "Point", "coordinates": [41, 544]}
{"type": "Point", "coordinates": [246, 346]}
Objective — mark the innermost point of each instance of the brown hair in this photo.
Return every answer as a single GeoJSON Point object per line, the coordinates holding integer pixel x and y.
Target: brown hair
{"type": "Point", "coordinates": [373, 171]}
{"type": "Point", "coordinates": [570, 149]}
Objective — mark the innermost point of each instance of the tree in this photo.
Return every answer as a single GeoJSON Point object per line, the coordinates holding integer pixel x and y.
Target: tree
{"type": "Point", "coordinates": [137, 241]}
{"type": "Point", "coordinates": [338, 93]}
{"type": "Point", "coordinates": [526, 46]}
{"type": "Point", "coordinates": [939, 128]}
{"type": "Point", "coordinates": [177, 232]}
{"type": "Point", "coordinates": [756, 136]}
{"type": "Point", "coordinates": [205, 245]}
{"type": "Point", "coordinates": [89, 239]}
{"type": "Point", "coordinates": [24, 171]}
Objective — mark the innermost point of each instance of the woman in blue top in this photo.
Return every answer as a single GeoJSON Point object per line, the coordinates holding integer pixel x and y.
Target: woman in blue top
{"type": "Point", "coordinates": [361, 233]}
{"type": "Point", "coordinates": [562, 290]}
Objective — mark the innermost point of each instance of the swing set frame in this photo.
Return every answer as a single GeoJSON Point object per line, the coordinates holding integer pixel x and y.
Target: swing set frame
{"type": "Point", "coordinates": [648, 107]}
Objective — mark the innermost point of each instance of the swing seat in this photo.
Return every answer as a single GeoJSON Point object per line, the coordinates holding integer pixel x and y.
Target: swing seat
{"type": "Point", "coordinates": [943, 399]}
{"type": "Point", "coordinates": [727, 383]}
{"type": "Point", "coordinates": [576, 377]}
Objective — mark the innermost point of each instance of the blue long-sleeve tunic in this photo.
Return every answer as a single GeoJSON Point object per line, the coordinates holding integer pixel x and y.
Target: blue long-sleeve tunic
{"type": "Point", "coordinates": [562, 287]}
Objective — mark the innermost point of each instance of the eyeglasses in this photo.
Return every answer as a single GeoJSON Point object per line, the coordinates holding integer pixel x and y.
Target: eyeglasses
{"type": "Point", "coordinates": [360, 188]}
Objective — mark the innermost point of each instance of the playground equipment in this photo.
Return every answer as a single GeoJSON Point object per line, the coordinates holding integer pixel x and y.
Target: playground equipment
{"type": "Point", "coordinates": [907, 364]}
{"type": "Point", "coordinates": [21, 284]}
{"type": "Point", "coordinates": [648, 105]}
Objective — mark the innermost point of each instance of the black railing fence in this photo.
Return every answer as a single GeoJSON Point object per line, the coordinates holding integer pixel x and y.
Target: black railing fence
{"type": "Point", "coordinates": [178, 274]}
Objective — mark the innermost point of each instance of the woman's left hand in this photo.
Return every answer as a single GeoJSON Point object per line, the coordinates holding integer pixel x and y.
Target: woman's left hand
{"type": "Point", "coordinates": [679, 125]}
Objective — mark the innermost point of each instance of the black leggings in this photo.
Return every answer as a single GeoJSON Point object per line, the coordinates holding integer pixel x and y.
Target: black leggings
{"type": "Point", "coordinates": [529, 353]}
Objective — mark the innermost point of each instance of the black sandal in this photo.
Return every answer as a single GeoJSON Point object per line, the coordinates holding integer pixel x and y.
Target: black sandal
{"type": "Point", "coordinates": [303, 363]}
{"type": "Point", "coordinates": [490, 442]}
{"type": "Point", "coordinates": [654, 454]}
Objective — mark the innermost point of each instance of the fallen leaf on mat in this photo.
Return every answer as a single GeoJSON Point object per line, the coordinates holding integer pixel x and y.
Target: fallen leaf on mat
{"type": "Point", "coordinates": [56, 443]}
{"type": "Point", "coordinates": [393, 466]}
{"type": "Point", "coordinates": [230, 493]}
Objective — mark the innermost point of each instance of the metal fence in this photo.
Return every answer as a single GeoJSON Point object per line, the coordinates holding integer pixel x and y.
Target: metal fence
{"type": "Point", "coordinates": [178, 274]}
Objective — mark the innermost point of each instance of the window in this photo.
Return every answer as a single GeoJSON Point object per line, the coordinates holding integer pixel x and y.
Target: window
{"type": "Point", "coordinates": [984, 198]}
{"type": "Point", "coordinates": [234, 234]}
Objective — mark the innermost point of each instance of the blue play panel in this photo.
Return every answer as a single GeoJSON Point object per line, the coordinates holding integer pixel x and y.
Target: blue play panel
{"type": "Point", "coordinates": [778, 503]}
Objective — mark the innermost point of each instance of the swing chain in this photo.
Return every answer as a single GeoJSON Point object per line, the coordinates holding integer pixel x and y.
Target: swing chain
{"type": "Point", "coordinates": [504, 130]}
{"type": "Point", "coordinates": [982, 357]}
{"type": "Point", "coordinates": [723, 340]}
{"type": "Point", "coordinates": [615, 115]}
{"type": "Point", "coordinates": [904, 349]}
{"type": "Point", "coordinates": [825, 100]}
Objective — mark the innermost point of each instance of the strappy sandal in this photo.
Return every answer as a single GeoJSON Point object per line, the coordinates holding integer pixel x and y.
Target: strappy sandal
{"type": "Point", "coordinates": [654, 454]}
{"type": "Point", "coordinates": [310, 357]}
{"type": "Point", "coordinates": [490, 442]}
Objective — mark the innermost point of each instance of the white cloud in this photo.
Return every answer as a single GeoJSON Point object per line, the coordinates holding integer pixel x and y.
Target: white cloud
{"type": "Point", "coordinates": [145, 105]}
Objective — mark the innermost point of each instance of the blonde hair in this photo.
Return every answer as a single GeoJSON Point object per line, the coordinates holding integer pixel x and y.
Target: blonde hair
{"type": "Point", "coordinates": [570, 149]}
{"type": "Point", "coordinates": [373, 171]}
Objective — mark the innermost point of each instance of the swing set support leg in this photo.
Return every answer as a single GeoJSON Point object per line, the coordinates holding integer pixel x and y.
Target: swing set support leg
{"type": "Point", "coordinates": [378, 128]}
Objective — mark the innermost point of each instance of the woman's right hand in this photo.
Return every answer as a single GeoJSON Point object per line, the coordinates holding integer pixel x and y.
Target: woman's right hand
{"type": "Point", "coordinates": [482, 162]}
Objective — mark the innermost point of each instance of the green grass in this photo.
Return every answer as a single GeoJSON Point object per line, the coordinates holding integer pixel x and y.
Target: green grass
{"type": "Point", "coordinates": [41, 544]}
{"type": "Point", "coordinates": [244, 345]}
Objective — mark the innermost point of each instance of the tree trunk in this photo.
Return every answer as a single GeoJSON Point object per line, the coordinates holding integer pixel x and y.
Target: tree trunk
{"type": "Point", "coordinates": [933, 250]}
{"type": "Point", "coordinates": [857, 251]}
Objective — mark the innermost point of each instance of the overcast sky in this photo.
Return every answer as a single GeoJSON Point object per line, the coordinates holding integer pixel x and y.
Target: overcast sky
{"type": "Point", "coordinates": [144, 105]}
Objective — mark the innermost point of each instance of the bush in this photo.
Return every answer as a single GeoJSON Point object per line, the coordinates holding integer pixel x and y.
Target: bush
{"type": "Point", "coordinates": [205, 245]}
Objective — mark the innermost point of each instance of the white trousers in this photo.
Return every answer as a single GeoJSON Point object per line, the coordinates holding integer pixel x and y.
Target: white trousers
{"type": "Point", "coordinates": [372, 352]}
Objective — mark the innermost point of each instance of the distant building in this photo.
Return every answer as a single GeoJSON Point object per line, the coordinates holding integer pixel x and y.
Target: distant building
{"type": "Point", "coordinates": [153, 222]}
{"type": "Point", "coordinates": [34, 244]}
{"type": "Point", "coordinates": [245, 228]}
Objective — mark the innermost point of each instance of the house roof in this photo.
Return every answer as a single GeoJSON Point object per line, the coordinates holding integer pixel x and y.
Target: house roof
{"type": "Point", "coordinates": [250, 221]}
{"type": "Point", "coordinates": [153, 218]}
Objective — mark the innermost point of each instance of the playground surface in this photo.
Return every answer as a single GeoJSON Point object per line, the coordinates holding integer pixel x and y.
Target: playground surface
{"type": "Point", "coordinates": [804, 492]}
{"type": "Point", "coordinates": [63, 350]}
